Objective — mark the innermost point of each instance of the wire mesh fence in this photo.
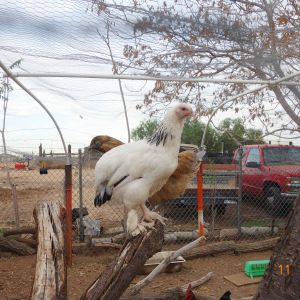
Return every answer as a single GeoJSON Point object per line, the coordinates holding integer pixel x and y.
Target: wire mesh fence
{"type": "Point", "coordinates": [236, 204]}
{"type": "Point", "coordinates": [21, 187]}
{"type": "Point", "coordinates": [229, 210]}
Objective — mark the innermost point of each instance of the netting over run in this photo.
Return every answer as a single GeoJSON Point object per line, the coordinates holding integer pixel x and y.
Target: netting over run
{"type": "Point", "coordinates": [65, 37]}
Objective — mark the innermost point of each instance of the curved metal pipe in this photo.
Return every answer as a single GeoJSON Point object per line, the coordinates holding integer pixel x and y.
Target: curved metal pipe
{"type": "Point", "coordinates": [10, 75]}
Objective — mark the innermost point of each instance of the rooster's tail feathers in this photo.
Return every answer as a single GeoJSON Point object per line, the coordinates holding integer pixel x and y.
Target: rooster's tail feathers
{"type": "Point", "coordinates": [103, 194]}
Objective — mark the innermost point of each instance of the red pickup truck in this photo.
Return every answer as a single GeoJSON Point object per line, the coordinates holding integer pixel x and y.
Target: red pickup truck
{"type": "Point", "coordinates": [271, 173]}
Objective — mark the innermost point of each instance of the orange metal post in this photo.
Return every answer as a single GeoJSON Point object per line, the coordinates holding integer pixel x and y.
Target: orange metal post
{"type": "Point", "coordinates": [68, 190]}
{"type": "Point", "coordinates": [200, 199]}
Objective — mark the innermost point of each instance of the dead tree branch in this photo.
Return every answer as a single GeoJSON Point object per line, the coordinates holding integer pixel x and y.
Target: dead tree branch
{"type": "Point", "coordinates": [114, 280]}
{"type": "Point", "coordinates": [163, 264]}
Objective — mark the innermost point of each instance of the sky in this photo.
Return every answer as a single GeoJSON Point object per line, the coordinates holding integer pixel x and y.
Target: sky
{"type": "Point", "coordinates": [61, 36]}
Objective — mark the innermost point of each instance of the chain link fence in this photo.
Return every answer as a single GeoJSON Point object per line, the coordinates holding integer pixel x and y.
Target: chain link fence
{"type": "Point", "coordinates": [230, 211]}
{"type": "Point", "coordinates": [24, 183]}
{"type": "Point", "coordinates": [234, 205]}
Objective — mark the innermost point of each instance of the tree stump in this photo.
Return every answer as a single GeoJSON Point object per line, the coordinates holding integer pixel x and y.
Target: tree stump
{"type": "Point", "coordinates": [50, 274]}
{"type": "Point", "coordinates": [114, 280]}
{"type": "Point", "coordinates": [282, 279]}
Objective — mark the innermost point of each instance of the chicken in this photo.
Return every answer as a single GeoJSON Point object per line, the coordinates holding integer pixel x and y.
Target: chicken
{"type": "Point", "coordinates": [176, 183]}
{"type": "Point", "coordinates": [226, 296]}
{"type": "Point", "coordinates": [132, 173]}
{"type": "Point", "coordinates": [189, 295]}
{"type": "Point", "coordinates": [104, 143]}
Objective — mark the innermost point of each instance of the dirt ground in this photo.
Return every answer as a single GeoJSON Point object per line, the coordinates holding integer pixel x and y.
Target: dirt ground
{"type": "Point", "coordinates": [16, 275]}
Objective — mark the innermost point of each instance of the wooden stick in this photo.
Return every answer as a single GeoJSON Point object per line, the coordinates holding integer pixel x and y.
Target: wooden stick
{"type": "Point", "coordinates": [177, 293]}
{"type": "Point", "coordinates": [163, 264]}
{"type": "Point", "coordinates": [198, 282]}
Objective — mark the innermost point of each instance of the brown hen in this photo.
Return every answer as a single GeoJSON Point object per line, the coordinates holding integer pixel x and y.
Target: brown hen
{"type": "Point", "coordinates": [177, 182]}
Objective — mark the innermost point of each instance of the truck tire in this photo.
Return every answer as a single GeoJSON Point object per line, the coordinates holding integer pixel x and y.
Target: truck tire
{"type": "Point", "coordinates": [279, 208]}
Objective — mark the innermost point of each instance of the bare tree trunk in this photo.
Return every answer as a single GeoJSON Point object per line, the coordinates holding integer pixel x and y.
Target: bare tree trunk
{"type": "Point", "coordinates": [114, 280]}
{"type": "Point", "coordinates": [282, 280]}
{"type": "Point", "coordinates": [50, 275]}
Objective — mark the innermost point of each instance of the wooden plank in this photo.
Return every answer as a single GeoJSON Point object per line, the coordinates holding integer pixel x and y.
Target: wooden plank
{"type": "Point", "coordinates": [240, 279]}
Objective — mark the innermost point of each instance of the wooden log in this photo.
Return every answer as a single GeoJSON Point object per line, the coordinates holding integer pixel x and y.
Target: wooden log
{"type": "Point", "coordinates": [173, 237]}
{"type": "Point", "coordinates": [119, 238]}
{"type": "Point", "coordinates": [210, 249]}
{"type": "Point", "coordinates": [256, 246]}
{"type": "Point", "coordinates": [50, 275]}
{"type": "Point", "coordinates": [282, 278]}
{"type": "Point", "coordinates": [230, 246]}
{"type": "Point", "coordinates": [15, 246]}
{"type": "Point", "coordinates": [114, 280]}
{"type": "Point", "coordinates": [30, 242]}
{"type": "Point", "coordinates": [23, 230]}
{"type": "Point", "coordinates": [247, 231]}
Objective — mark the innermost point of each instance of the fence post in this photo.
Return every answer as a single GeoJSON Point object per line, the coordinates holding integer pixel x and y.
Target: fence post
{"type": "Point", "coordinates": [68, 199]}
{"type": "Point", "coordinates": [200, 199]}
{"type": "Point", "coordinates": [81, 229]}
{"type": "Point", "coordinates": [15, 204]}
{"type": "Point", "coordinates": [240, 192]}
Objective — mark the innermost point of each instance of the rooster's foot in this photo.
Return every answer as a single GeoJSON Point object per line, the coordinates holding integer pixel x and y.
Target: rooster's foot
{"type": "Point", "coordinates": [151, 216]}
{"type": "Point", "coordinates": [149, 225]}
{"type": "Point", "coordinates": [138, 230]}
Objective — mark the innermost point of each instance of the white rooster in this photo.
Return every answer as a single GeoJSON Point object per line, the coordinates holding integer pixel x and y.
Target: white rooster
{"type": "Point", "coordinates": [131, 173]}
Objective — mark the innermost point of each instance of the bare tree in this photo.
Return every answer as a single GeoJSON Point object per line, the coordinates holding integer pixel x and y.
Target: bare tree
{"type": "Point", "coordinates": [234, 39]}
{"type": "Point", "coordinates": [5, 88]}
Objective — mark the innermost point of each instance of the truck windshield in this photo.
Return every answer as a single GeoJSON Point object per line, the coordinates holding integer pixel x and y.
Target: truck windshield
{"type": "Point", "coordinates": [281, 156]}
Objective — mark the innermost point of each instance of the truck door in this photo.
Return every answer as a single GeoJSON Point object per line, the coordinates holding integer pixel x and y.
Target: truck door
{"type": "Point", "coordinates": [252, 175]}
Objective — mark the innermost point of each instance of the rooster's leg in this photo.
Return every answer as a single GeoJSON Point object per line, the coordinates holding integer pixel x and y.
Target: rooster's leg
{"type": "Point", "coordinates": [151, 216]}
{"type": "Point", "coordinates": [133, 227]}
